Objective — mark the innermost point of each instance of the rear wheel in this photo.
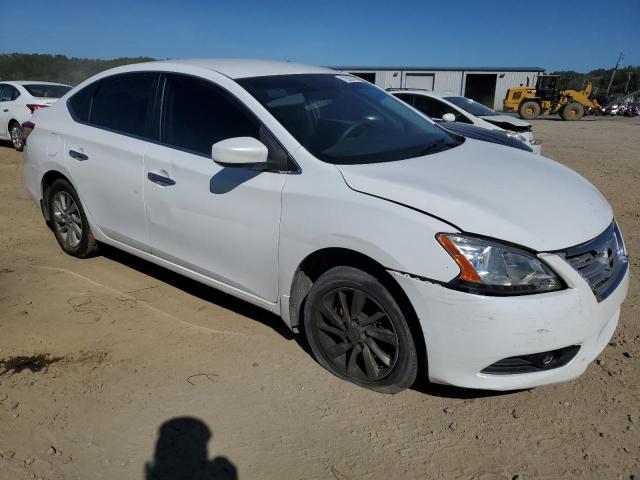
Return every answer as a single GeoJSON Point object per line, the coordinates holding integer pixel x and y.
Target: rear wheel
{"type": "Point", "coordinates": [69, 221]}
{"type": "Point", "coordinates": [15, 132]}
{"type": "Point", "coordinates": [572, 111]}
{"type": "Point", "coordinates": [358, 332]}
{"type": "Point", "coordinates": [529, 110]}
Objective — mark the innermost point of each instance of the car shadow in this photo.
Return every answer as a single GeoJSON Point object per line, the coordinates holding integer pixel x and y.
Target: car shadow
{"type": "Point", "coordinates": [181, 453]}
{"type": "Point", "coordinates": [197, 289]}
{"type": "Point", "coordinates": [217, 297]}
{"type": "Point", "coordinates": [448, 391]}
{"type": "Point", "coordinates": [6, 144]}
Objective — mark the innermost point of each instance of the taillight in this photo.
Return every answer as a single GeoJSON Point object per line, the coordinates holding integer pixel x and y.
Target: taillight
{"type": "Point", "coordinates": [33, 106]}
{"type": "Point", "coordinates": [27, 128]}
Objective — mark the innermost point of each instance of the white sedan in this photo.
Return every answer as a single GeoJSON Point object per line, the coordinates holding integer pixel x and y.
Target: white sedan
{"type": "Point", "coordinates": [18, 101]}
{"type": "Point", "coordinates": [397, 248]}
{"type": "Point", "coordinates": [454, 108]}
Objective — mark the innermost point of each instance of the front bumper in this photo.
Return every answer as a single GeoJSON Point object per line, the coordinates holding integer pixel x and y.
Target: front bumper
{"type": "Point", "coordinates": [465, 333]}
{"type": "Point", "coordinates": [536, 145]}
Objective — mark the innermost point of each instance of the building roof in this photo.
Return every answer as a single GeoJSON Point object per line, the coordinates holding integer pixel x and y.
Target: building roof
{"type": "Point", "coordinates": [441, 69]}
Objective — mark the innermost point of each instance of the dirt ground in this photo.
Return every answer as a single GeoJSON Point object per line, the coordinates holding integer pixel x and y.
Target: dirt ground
{"type": "Point", "coordinates": [152, 376]}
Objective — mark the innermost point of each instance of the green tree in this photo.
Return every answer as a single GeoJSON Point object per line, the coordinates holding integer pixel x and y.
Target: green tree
{"type": "Point", "coordinates": [57, 68]}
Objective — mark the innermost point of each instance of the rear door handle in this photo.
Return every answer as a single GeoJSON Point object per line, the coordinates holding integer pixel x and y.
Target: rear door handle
{"type": "Point", "coordinates": [5, 110]}
{"type": "Point", "coordinates": [160, 179]}
{"type": "Point", "coordinates": [78, 155]}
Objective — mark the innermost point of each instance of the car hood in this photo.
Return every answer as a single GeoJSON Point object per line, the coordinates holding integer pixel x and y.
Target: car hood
{"type": "Point", "coordinates": [505, 119]}
{"type": "Point", "coordinates": [484, 134]}
{"type": "Point", "coordinates": [490, 190]}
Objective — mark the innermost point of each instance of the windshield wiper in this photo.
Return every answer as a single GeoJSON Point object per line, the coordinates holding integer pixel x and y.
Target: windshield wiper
{"type": "Point", "coordinates": [436, 147]}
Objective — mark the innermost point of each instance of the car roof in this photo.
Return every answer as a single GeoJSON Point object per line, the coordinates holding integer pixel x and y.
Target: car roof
{"type": "Point", "coordinates": [37, 82]}
{"type": "Point", "coordinates": [241, 68]}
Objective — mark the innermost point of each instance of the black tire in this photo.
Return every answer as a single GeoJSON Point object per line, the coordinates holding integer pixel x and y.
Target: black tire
{"type": "Point", "coordinates": [369, 342]}
{"type": "Point", "coordinates": [572, 111]}
{"type": "Point", "coordinates": [66, 214]}
{"type": "Point", "coordinates": [15, 134]}
{"type": "Point", "coordinates": [529, 110]}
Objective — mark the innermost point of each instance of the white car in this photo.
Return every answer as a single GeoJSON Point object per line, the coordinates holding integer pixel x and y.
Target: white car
{"type": "Point", "coordinates": [18, 101]}
{"type": "Point", "coordinates": [454, 108]}
{"type": "Point", "coordinates": [397, 248]}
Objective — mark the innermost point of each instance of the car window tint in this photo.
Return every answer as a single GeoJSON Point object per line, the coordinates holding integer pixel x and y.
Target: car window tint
{"type": "Point", "coordinates": [80, 103]}
{"type": "Point", "coordinates": [8, 93]}
{"type": "Point", "coordinates": [433, 107]}
{"type": "Point", "coordinates": [198, 114]}
{"type": "Point", "coordinates": [342, 119]}
{"type": "Point", "coordinates": [406, 97]}
{"type": "Point", "coordinates": [124, 104]}
{"type": "Point", "coordinates": [44, 90]}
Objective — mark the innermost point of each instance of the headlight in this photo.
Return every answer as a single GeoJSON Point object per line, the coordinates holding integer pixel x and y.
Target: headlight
{"type": "Point", "coordinates": [497, 269]}
{"type": "Point", "coordinates": [517, 136]}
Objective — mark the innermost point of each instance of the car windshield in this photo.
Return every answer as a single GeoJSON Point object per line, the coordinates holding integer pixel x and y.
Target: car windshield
{"type": "Point", "coordinates": [342, 119]}
{"type": "Point", "coordinates": [43, 90]}
{"type": "Point", "coordinates": [471, 106]}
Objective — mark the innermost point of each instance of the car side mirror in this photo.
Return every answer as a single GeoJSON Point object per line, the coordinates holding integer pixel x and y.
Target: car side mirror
{"type": "Point", "coordinates": [449, 117]}
{"type": "Point", "coordinates": [240, 152]}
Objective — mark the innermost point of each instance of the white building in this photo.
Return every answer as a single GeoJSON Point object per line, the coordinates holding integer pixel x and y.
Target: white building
{"type": "Point", "coordinates": [487, 85]}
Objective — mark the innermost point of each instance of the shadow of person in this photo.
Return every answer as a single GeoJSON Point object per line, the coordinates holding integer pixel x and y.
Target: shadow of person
{"type": "Point", "coordinates": [181, 454]}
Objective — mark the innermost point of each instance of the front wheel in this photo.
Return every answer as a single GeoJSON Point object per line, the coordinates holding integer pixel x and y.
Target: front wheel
{"type": "Point", "coordinates": [69, 221]}
{"type": "Point", "coordinates": [15, 132]}
{"type": "Point", "coordinates": [529, 110]}
{"type": "Point", "coordinates": [572, 111]}
{"type": "Point", "coordinates": [358, 332]}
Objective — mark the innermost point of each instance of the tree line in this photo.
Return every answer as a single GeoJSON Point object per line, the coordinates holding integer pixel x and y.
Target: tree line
{"type": "Point", "coordinates": [57, 68]}
{"type": "Point", "coordinates": [626, 80]}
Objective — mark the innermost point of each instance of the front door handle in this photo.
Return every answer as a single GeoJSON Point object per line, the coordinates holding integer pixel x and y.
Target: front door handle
{"type": "Point", "coordinates": [5, 110]}
{"type": "Point", "coordinates": [160, 179]}
{"type": "Point", "coordinates": [78, 155]}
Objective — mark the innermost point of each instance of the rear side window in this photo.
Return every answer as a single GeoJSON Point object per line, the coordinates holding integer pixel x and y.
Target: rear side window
{"type": "Point", "coordinates": [197, 114]}
{"type": "Point", "coordinates": [8, 93]}
{"type": "Point", "coordinates": [46, 91]}
{"type": "Point", "coordinates": [124, 104]}
{"type": "Point", "coordinates": [80, 103]}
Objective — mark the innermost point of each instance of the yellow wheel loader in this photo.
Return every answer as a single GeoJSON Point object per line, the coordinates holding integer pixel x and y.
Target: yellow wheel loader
{"type": "Point", "coordinates": [546, 98]}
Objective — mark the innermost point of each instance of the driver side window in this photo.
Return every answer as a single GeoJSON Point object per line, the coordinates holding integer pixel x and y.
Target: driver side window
{"type": "Point", "coordinates": [197, 114]}
{"type": "Point", "coordinates": [436, 109]}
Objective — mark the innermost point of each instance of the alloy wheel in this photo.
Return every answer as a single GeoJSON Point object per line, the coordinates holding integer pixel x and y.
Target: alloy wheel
{"type": "Point", "coordinates": [67, 219]}
{"type": "Point", "coordinates": [356, 335]}
{"type": "Point", "coordinates": [16, 137]}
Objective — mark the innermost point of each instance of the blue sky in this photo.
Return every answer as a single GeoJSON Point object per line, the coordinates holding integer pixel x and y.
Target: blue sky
{"type": "Point", "coordinates": [579, 35]}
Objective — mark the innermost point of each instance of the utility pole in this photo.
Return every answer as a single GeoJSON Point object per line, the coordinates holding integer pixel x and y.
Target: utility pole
{"type": "Point", "coordinates": [626, 89]}
{"type": "Point", "coordinates": [613, 74]}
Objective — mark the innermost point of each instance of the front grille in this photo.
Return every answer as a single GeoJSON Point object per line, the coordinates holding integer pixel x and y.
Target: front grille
{"type": "Point", "coordinates": [602, 262]}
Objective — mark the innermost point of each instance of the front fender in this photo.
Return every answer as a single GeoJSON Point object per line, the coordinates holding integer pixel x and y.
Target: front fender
{"type": "Point", "coordinates": [322, 213]}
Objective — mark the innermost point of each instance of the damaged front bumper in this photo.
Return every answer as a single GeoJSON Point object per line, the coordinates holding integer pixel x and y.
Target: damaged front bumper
{"type": "Point", "coordinates": [467, 333]}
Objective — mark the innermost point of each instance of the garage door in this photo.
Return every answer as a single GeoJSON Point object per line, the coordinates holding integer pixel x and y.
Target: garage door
{"type": "Point", "coordinates": [481, 87]}
{"type": "Point", "coordinates": [419, 80]}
